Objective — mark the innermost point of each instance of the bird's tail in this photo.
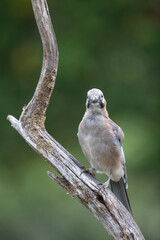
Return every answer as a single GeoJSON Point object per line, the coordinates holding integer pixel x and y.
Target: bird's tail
{"type": "Point", "coordinates": [120, 191]}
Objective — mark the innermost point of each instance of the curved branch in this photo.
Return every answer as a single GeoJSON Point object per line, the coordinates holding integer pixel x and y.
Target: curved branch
{"type": "Point", "coordinates": [83, 187]}
{"type": "Point", "coordinates": [35, 110]}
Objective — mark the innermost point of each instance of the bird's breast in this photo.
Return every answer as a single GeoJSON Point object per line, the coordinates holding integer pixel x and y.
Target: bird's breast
{"type": "Point", "coordinates": [98, 145]}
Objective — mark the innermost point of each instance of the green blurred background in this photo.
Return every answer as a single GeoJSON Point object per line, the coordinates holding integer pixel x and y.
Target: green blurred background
{"type": "Point", "coordinates": [112, 45]}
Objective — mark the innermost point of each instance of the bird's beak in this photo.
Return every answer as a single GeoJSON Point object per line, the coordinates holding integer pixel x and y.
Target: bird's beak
{"type": "Point", "coordinates": [95, 101]}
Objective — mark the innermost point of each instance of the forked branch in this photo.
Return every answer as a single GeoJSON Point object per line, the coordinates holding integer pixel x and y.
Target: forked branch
{"type": "Point", "coordinates": [83, 187]}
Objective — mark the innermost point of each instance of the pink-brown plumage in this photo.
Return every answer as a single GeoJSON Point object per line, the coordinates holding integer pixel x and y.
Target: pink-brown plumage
{"type": "Point", "coordinates": [101, 142]}
{"type": "Point", "coordinates": [96, 134]}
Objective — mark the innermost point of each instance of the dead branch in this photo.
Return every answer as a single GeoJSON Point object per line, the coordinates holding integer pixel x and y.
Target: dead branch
{"type": "Point", "coordinates": [103, 204]}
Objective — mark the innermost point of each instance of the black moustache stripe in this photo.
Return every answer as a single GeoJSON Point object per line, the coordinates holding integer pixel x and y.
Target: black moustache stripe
{"type": "Point", "coordinates": [100, 103]}
{"type": "Point", "coordinates": [89, 103]}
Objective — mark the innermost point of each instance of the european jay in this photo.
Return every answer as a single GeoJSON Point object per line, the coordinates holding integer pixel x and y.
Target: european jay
{"type": "Point", "coordinates": [101, 142]}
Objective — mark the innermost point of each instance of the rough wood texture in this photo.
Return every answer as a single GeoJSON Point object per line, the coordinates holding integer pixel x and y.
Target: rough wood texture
{"type": "Point", "coordinates": [85, 188]}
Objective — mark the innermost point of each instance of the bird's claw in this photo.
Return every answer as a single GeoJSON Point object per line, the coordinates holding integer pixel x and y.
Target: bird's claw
{"type": "Point", "coordinates": [106, 184]}
{"type": "Point", "coordinates": [103, 186]}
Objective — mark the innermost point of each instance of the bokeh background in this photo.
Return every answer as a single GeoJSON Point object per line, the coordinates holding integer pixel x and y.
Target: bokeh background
{"type": "Point", "coordinates": [112, 45]}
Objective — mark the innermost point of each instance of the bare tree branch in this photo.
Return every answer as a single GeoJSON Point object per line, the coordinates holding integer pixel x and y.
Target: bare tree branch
{"type": "Point", "coordinates": [103, 204]}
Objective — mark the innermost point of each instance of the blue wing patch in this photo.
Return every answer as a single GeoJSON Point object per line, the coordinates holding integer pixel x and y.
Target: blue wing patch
{"type": "Point", "coordinates": [117, 141]}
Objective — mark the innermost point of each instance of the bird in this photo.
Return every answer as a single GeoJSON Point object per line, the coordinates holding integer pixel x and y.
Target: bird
{"type": "Point", "coordinates": [101, 142]}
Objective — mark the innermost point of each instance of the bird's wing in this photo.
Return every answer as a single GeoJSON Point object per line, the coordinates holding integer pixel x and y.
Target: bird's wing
{"type": "Point", "coordinates": [118, 137]}
{"type": "Point", "coordinates": [117, 131]}
{"type": "Point", "coordinates": [120, 188]}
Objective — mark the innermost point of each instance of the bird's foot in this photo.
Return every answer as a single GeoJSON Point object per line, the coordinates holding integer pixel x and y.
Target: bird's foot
{"type": "Point", "coordinates": [88, 170]}
{"type": "Point", "coordinates": [106, 184]}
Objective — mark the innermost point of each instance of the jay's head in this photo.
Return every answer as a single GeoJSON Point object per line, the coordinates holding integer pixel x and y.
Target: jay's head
{"type": "Point", "coordinates": [95, 100]}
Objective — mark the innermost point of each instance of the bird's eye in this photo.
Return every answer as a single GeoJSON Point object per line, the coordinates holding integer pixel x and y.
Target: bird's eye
{"type": "Point", "coordinates": [101, 95]}
{"type": "Point", "coordinates": [87, 97]}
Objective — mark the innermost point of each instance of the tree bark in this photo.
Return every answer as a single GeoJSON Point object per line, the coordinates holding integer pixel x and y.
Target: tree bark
{"type": "Point", "coordinates": [83, 187]}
